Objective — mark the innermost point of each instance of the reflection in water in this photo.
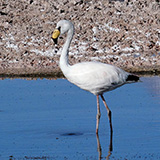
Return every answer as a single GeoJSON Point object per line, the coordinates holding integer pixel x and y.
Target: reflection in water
{"type": "Point", "coordinates": [100, 149]}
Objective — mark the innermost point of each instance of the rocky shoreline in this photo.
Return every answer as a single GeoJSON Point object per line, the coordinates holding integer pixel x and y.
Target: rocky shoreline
{"type": "Point", "coordinates": [124, 33]}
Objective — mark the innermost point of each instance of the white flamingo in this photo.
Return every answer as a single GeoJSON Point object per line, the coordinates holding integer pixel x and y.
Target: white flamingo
{"type": "Point", "coordinates": [94, 77]}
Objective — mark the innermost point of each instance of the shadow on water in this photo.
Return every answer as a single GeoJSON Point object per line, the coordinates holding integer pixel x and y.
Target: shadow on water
{"type": "Point", "coordinates": [54, 119]}
{"type": "Point", "coordinates": [72, 134]}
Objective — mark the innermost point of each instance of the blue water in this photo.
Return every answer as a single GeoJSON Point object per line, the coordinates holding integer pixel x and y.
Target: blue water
{"type": "Point", "coordinates": [53, 119]}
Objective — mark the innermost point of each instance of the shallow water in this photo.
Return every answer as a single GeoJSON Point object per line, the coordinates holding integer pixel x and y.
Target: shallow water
{"type": "Point", "coordinates": [53, 119]}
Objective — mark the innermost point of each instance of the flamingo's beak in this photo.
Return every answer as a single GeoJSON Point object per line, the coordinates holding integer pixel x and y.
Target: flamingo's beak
{"type": "Point", "coordinates": [55, 35]}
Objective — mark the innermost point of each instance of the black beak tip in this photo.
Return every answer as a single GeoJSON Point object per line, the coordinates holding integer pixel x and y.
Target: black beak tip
{"type": "Point", "coordinates": [55, 40]}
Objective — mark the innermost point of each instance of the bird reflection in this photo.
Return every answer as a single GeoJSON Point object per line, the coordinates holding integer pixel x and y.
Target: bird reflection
{"type": "Point", "coordinates": [110, 149]}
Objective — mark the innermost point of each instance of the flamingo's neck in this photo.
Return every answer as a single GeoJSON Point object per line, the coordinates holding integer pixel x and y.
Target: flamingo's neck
{"type": "Point", "coordinates": [64, 65]}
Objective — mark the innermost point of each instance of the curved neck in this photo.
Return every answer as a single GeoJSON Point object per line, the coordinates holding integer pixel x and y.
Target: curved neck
{"type": "Point", "coordinates": [64, 65]}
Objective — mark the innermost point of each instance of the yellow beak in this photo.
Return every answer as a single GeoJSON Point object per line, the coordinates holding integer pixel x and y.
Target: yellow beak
{"type": "Point", "coordinates": [55, 34]}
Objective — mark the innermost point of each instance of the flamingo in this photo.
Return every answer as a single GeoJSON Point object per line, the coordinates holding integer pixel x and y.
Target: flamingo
{"type": "Point", "coordinates": [95, 77]}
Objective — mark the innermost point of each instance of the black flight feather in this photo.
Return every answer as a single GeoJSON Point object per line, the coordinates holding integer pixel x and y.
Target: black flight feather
{"type": "Point", "coordinates": [132, 78]}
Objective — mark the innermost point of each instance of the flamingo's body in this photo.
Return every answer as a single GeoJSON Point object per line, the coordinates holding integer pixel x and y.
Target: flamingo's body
{"type": "Point", "coordinates": [94, 77]}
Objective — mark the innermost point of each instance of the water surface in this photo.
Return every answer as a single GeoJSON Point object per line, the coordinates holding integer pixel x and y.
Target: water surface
{"type": "Point", "coordinates": [53, 119]}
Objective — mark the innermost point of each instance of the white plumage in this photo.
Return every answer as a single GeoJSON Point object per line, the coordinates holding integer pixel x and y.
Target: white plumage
{"type": "Point", "coordinates": [94, 77]}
